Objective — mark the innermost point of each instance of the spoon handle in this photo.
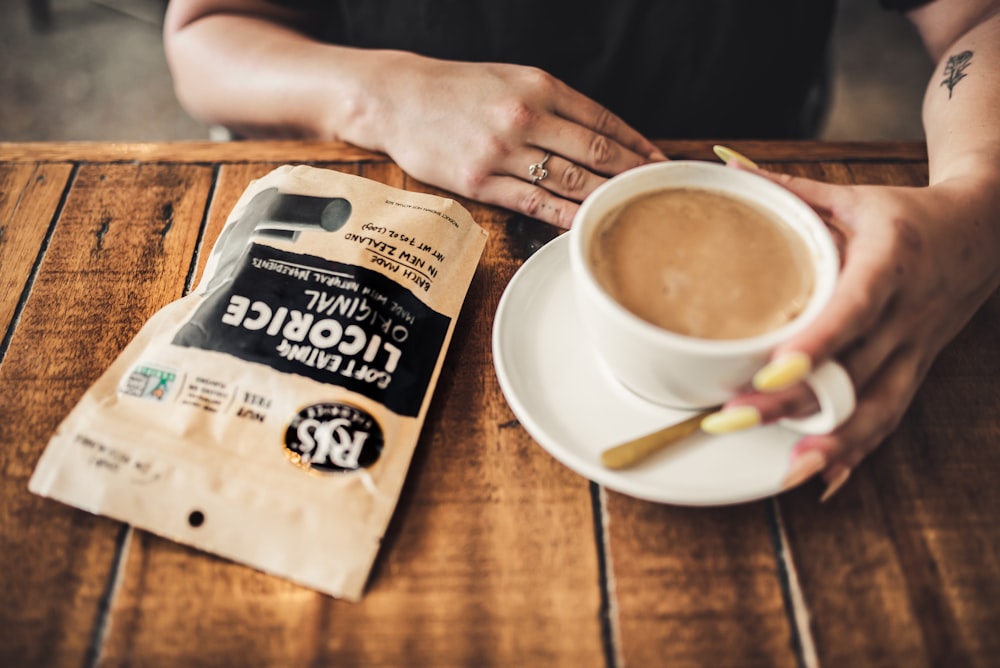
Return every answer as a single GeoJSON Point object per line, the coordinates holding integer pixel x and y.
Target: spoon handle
{"type": "Point", "coordinates": [632, 452]}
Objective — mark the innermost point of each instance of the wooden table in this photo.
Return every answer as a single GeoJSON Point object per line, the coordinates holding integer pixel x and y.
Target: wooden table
{"type": "Point", "coordinates": [497, 554]}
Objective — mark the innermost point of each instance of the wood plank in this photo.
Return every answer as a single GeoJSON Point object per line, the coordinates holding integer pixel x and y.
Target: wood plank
{"type": "Point", "coordinates": [905, 561]}
{"type": "Point", "coordinates": [902, 567]}
{"type": "Point", "coordinates": [799, 151]}
{"type": "Point", "coordinates": [274, 151]}
{"type": "Point", "coordinates": [697, 586]}
{"type": "Point", "coordinates": [490, 558]}
{"type": "Point", "coordinates": [315, 151]}
{"type": "Point", "coordinates": [115, 256]}
{"type": "Point", "coordinates": [29, 196]}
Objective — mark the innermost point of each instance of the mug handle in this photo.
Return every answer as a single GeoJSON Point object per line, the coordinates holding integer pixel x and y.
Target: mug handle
{"type": "Point", "coordinates": [835, 392]}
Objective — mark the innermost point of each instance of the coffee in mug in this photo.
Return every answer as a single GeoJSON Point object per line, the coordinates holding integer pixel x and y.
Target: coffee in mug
{"type": "Point", "coordinates": [702, 263]}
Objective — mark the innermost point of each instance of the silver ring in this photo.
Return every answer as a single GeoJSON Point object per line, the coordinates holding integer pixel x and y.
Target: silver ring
{"type": "Point", "coordinates": [537, 171]}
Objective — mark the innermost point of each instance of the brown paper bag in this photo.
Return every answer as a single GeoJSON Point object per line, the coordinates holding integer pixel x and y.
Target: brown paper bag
{"type": "Point", "coordinates": [270, 415]}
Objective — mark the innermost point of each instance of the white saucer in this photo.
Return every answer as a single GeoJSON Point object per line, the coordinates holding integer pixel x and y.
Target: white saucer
{"type": "Point", "coordinates": [571, 405]}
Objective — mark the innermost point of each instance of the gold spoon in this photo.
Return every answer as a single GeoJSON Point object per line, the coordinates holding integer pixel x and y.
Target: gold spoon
{"type": "Point", "coordinates": [632, 452]}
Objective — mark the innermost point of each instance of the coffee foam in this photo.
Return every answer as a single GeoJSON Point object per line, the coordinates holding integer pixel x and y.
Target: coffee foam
{"type": "Point", "coordinates": [703, 264]}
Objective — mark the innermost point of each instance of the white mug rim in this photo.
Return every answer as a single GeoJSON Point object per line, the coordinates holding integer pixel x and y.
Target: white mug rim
{"type": "Point", "coordinates": [621, 188]}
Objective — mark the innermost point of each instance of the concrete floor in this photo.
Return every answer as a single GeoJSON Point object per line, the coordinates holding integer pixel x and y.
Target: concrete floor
{"type": "Point", "coordinates": [98, 73]}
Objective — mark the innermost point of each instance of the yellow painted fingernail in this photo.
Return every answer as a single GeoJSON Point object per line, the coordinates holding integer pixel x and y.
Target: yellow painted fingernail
{"type": "Point", "coordinates": [782, 372]}
{"type": "Point", "coordinates": [726, 154]}
{"type": "Point", "coordinates": [838, 480]}
{"type": "Point", "coordinates": [804, 467]}
{"type": "Point", "coordinates": [731, 419]}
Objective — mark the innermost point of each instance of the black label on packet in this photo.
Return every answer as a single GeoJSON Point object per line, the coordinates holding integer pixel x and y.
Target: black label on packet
{"type": "Point", "coordinates": [333, 322]}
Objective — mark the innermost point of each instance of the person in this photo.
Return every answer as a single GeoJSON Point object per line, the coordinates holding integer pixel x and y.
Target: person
{"type": "Point", "coordinates": [531, 106]}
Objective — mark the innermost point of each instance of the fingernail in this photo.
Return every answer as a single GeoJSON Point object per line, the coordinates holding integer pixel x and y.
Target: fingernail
{"type": "Point", "coordinates": [731, 419]}
{"type": "Point", "coordinates": [726, 154]}
{"type": "Point", "coordinates": [783, 371]}
{"type": "Point", "coordinates": [838, 480]}
{"type": "Point", "coordinates": [657, 154]}
{"type": "Point", "coordinates": [804, 467]}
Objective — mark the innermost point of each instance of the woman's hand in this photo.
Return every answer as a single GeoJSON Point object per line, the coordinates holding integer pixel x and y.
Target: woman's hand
{"type": "Point", "coordinates": [917, 264]}
{"type": "Point", "coordinates": [476, 129]}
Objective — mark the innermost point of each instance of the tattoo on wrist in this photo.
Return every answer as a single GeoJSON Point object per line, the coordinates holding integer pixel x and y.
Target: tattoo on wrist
{"type": "Point", "coordinates": [954, 70]}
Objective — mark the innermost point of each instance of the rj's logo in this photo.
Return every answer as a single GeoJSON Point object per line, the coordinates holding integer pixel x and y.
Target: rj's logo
{"type": "Point", "coordinates": [333, 438]}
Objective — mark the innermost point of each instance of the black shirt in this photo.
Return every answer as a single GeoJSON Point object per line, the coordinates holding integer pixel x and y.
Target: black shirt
{"type": "Point", "coordinates": [697, 69]}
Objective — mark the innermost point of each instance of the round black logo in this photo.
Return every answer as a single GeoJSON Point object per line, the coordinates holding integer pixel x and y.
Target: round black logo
{"type": "Point", "coordinates": [333, 438]}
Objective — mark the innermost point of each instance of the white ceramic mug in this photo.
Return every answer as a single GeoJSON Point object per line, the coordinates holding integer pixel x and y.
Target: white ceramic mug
{"type": "Point", "coordinates": [680, 371]}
